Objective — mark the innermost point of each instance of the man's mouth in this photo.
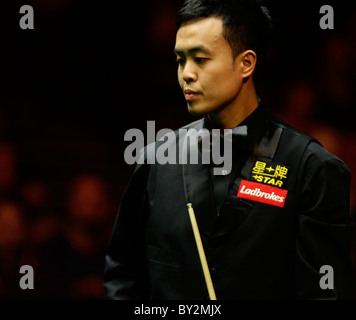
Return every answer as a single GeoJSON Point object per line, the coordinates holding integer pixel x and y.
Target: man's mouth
{"type": "Point", "coordinates": [190, 94]}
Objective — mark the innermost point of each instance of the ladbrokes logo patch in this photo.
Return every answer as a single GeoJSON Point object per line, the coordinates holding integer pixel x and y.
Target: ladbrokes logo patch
{"type": "Point", "coordinates": [269, 173]}
{"type": "Point", "coordinates": [262, 193]}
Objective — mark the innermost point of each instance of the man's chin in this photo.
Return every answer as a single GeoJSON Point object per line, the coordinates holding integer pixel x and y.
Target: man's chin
{"type": "Point", "coordinates": [196, 112]}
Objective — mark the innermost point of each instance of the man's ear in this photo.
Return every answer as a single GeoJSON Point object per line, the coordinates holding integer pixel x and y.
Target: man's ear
{"type": "Point", "coordinates": [248, 60]}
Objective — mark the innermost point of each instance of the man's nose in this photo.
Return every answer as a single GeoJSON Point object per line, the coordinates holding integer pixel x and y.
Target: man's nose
{"type": "Point", "coordinates": [189, 73]}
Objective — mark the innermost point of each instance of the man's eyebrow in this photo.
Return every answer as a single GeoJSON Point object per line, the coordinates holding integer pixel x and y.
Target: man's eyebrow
{"type": "Point", "coordinates": [192, 50]}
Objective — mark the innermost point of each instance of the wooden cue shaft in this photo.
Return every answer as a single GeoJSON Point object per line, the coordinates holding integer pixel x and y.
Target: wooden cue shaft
{"type": "Point", "coordinates": [204, 262]}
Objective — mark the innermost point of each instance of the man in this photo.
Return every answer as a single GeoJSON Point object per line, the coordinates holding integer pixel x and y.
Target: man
{"type": "Point", "coordinates": [277, 226]}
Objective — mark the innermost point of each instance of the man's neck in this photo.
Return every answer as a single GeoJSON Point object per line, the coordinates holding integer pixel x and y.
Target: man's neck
{"type": "Point", "coordinates": [236, 112]}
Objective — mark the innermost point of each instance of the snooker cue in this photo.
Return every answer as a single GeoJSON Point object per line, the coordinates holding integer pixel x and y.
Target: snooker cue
{"type": "Point", "coordinates": [204, 262]}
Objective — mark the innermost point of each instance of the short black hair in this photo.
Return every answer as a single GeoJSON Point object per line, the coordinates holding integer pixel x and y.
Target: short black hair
{"type": "Point", "coordinates": [246, 23]}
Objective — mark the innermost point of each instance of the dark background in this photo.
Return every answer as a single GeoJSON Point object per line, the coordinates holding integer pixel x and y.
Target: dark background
{"type": "Point", "coordinates": [91, 70]}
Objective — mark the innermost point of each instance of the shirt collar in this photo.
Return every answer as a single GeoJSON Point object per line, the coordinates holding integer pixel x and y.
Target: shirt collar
{"type": "Point", "coordinates": [256, 124]}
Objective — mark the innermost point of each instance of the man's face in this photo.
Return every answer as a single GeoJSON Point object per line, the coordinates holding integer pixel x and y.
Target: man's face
{"type": "Point", "coordinates": [207, 73]}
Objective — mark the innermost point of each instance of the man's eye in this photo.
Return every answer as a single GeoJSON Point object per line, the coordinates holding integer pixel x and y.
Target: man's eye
{"type": "Point", "coordinates": [199, 59]}
{"type": "Point", "coordinates": [180, 61]}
